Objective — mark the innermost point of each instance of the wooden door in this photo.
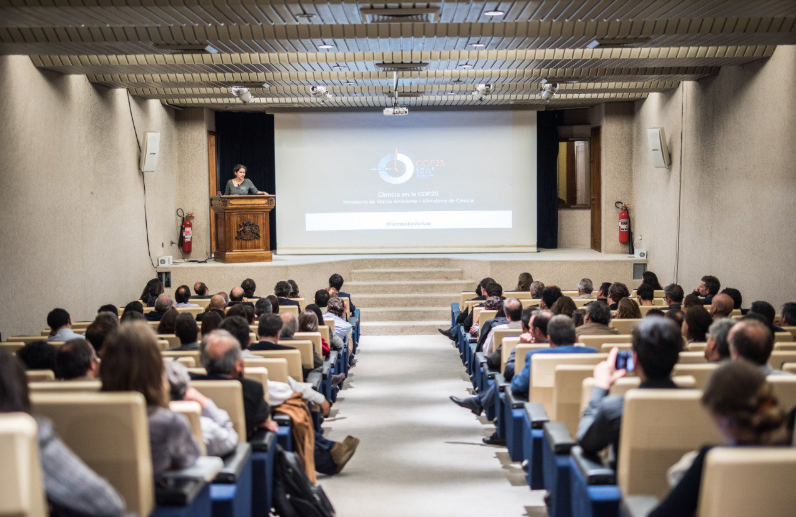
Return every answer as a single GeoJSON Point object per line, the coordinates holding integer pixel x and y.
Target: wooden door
{"type": "Point", "coordinates": [212, 176]}
{"type": "Point", "coordinates": [595, 201]}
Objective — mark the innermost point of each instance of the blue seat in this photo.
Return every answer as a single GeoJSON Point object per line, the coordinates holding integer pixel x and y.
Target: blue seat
{"type": "Point", "coordinates": [533, 435]}
{"type": "Point", "coordinates": [196, 505]}
{"type": "Point", "coordinates": [231, 491]}
{"type": "Point", "coordinates": [263, 457]}
{"type": "Point", "coordinates": [593, 490]}
{"type": "Point", "coordinates": [512, 421]}
{"type": "Point", "coordinates": [556, 468]}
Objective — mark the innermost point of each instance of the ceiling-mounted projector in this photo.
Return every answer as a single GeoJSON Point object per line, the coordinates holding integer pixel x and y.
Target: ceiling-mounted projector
{"type": "Point", "coordinates": [396, 111]}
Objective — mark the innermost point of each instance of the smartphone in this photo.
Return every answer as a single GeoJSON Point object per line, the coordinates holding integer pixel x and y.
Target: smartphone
{"type": "Point", "coordinates": [624, 361]}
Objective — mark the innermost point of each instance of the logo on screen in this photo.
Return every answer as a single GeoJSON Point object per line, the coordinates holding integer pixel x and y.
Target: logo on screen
{"type": "Point", "coordinates": [396, 168]}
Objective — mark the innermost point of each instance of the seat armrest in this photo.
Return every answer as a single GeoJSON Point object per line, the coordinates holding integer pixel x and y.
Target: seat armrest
{"type": "Point", "coordinates": [479, 356]}
{"type": "Point", "coordinates": [327, 367]}
{"type": "Point", "coordinates": [501, 382]}
{"type": "Point", "coordinates": [536, 414]}
{"type": "Point", "coordinates": [333, 356]}
{"type": "Point", "coordinates": [515, 401]}
{"type": "Point", "coordinates": [592, 468]}
{"type": "Point", "coordinates": [315, 379]}
{"type": "Point", "coordinates": [558, 437]}
{"type": "Point", "coordinates": [262, 440]}
{"type": "Point", "coordinates": [282, 419]}
{"type": "Point", "coordinates": [180, 487]}
{"type": "Point", "coordinates": [233, 464]}
{"type": "Point", "coordinates": [638, 505]}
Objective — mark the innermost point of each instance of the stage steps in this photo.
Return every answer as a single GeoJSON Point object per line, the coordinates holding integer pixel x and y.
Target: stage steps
{"type": "Point", "coordinates": [403, 301]}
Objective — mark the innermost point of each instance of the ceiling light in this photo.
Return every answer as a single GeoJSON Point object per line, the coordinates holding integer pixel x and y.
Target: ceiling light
{"type": "Point", "coordinates": [305, 15]}
{"type": "Point", "coordinates": [339, 67]}
{"type": "Point", "coordinates": [548, 90]}
{"type": "Point", "coordinates": [451, 93]}
{"type": "Point", "coordinates": [466, 65]}
{"type": "Point", "coordinates": [242, 93]}
{"type": "Point", "coordinates": [350, 83]}
{"type": "Point", "coordinates": [477, 45]}
{"type": "Point", "coordinates": [494, 13]}
{"type": "Point", "coordinates": [482, 91]}
{"type": "Point", "coordinates": [326, 46]}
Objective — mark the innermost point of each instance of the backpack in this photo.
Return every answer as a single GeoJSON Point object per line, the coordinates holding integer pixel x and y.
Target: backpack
{"type": "Point", "coordinates": [294, 494]}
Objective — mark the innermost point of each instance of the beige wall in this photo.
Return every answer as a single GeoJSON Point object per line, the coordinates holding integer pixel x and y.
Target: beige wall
{"type": "Point", "coordinates": [72, 231]}
{"type": "Point", "coordinates": [574, 228]}
{"type": "Point", "coordinates": [738, 179]}
{"type": "Point", "coordinates": [192, 180]}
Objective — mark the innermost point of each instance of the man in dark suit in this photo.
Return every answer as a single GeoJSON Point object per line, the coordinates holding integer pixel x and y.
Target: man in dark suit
{"type": "Point", "coordinates": [217, 303]}
{"type": "Point", "coordinates": [223, 360]}
{"type": "Point", "coordinates": [336, 281]}
{"type": "Point", "coordinates": [673, 294]}
{"type": "Point", "coordinates": [162, 304]}
{"type": "Point", "coordinates": [201, 291]}
{"type": "Point", "coordinates": [268, 334]}
{"type": "Point", "coordinates": [708, 288]}
{"type": "Point", "coordinates": [282, 290]}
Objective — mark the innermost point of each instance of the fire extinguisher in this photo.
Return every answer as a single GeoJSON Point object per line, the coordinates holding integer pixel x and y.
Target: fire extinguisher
{"type": "Point", "coordinates": [625, 229]}
{"type": "Point", "coordinates": [186, 231]}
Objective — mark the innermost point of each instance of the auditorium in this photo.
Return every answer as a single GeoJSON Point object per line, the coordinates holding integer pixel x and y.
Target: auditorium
{"type": "Point", "coordinates": [318, 258]}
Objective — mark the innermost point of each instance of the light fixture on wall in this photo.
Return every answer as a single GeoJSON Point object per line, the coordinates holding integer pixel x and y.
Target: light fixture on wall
{"type": "Point", "coordinates": [483, 90]}
{"type": "Point", "coordinates": [549, 90]}
{"type": "Point", "coordinates": [242, 93]}
{"type": "Point", "coordinates": [319, 92]}
{"type": "Point", "coordinates": [494, 12]}
{"type": "Point", "coordinates": [325, 46]}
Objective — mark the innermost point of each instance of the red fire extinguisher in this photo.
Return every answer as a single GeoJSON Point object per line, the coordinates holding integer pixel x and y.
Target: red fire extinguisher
{"type": "Point", "coordinates": [625, 230]}
{"type": "Point", "coordinates": [186, 231]}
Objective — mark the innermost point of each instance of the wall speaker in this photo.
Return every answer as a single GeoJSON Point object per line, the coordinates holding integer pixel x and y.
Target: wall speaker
{"type": "Point", "coordinates": [656, 137]}
{"type": "Point", "coordinates": [165, 260]}
{"type": "Point", "coordinates": [640, 254]}
{"type": "Point", "coordinates": [149, 154]}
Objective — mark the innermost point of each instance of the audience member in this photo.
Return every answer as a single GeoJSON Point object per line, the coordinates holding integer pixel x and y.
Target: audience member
{"type": "Point", "coordinates": [767, 311]}
{"type": "Point", "coordinates": [708, 288]}
{"type": "Point", "coordinates": [239, 328]}
{"type": "Point", "coordinates": [109, 307]}
{"type": "Point", "coordinates": [134, 306]}
{"type": "Point", "coordinates": [218, 433]}
{"type": "Point", "coordinates": [524, 282]}
{"type": "Point", "coordinates": [656, 348]}
{"type": "Point", "coordinates": [788, 318]}
{"type": "Point", "coordinates": [282, 291]}
{"type": "Point", "coordinates": [217, 303]}
{"type": "Point", "coordinates": [493, 303]}
{"type": "Point", "coordinates": [585, 288]}
{"type": "Point", "coordinates": [308, 322]}
{"type": "Point", "coordinates": [602, 292]}
{"type": "Point", "coordinates": [536, 290]}
{"type": "Point", "coordinates": [167, 322]}
{"type": "Point", "coordinates": [651, 279]}
{"type": "Point", "coordinates": [721, 306]}
{"type": "Point", "coordinates": [294, 289]}
{"type": "Point", "coordinates": [655, 312]}
{"type": "Point", "coordinates": [645, 294]}
{"type": "Point", "coordinates": [550, 296]}
{"type": "Point", "coordinates": [718, 345]}
{"type": "Point", "coordinates": [103, 324]}
{"type": "Point", "coordinates": [238, 310]}
{"type": "Point", "coordinates": [262, 306]}
{"type": "Point", "coordinates": [735, 294]}
{"type": "Point", "coordinates": [513, 318]}
{"type": "Point", "coordinates": [162, 304]}
{"type": "Point", "coordinates": [60, 324]}
{"type": "Point", "coordinates": [564, 305]}
{"type": "Point", "coordinates": [274, 303]}
{"type": "Point", "coordinates": [677, 316]}
{"type": "Point", "coordinates": [691, 300]}
{"type": "Point", "coordinates": [336, 281]}
{"type": "Point", "coordinates": [578, 317]}
{"type": "Point", "coordinates": [76, 360]}
{"type": "Point", "coordinates": [627, 309]}
{"type": "Point", "coordinates": [152, 290]}
{"type": "Point", "coordinates": [673, 294]}
{"type": "Point", "coordinates": [130, 316]}
{"type": "Point", "coordinates": [696, 324]}
{"type": "Point", "coordinates": [187, 331]}
{"type": "Point", "coordinates": [211, 322]}
{"type": "Point", "coordinates": [336, 342]}
{"type": "Point", "coordinates": [746, 411]}
{"type": "Point", "coordinates": [132, 362]}
{"type": "Point", "coordinates": [236, 296]}
{"type": "Point", "coordinates": [616, 292]}
{"type": "Point", "coordinates": [490, 290]}
{"type": "Point", "coordinates": [335, 310]}
{"type": "Point", "coordinates": [249, 312]}
{"type": "Point", "coordinates": [596, 320]}
{"type": "Point", "coordinates": [201, 290]}
{"type": "Point", "coordinates": [321, 297]}
{"type": "Point", "coordinates": [752, 340]}
{"type": "Point", "coordinates": [38, 355]}
{"type": "Point", "coordinates": [268, 331]}
{"type": "Point", "coordinates": [248, 286]}
{"type": "Point", "coordinates": [332, 292]}
{"type": "Point", "coordinates": [182, 297]}
{"type": "Point", "coordinates": [70, 486]}
{"type": "Point", "coordinates": [289, 326]}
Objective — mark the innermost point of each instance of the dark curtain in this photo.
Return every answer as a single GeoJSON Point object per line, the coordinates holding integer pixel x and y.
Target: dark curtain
{"type": "Point", "coordinates": [248, 139]}
{"type": "Point", "coordinates": [546, 180]}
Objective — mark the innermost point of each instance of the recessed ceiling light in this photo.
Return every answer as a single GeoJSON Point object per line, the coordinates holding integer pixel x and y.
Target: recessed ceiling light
{"type": "Point", "coordinates": [350, 83]}
{"type": "Point", "coordinates": [451, 93]}
{"type": "Point", "coordinates": [339, 67]}
{"type": "Point", "coordinates": [465, 66]}
{"type": "Point", "coordinates": [494, 13]}
{"type": "Point", "coordinates": [477, 45]}
{"type": "Point", "coordinates": [326, 46]}
{"type": "Point", "coordinates": [304, 15]}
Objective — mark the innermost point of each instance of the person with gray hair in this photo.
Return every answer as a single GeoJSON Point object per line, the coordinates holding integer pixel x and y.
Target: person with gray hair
{"type": "Point", "coordinates": [162, 304]}
{"type": "Point", "coordinates": [585, 288]}
{"type": "Point", "coordinates": [718, 344]}
{"type": "Point", "coordinates": [596, 320]}
{"type": "Point", "coordinates": [218, 433]}
{"type": "Point", "coordinates": [289, 326]}
{"type": "Point", "coordinates": [536, 290]}
{"type": "Point", "coordinates": [262, 306]}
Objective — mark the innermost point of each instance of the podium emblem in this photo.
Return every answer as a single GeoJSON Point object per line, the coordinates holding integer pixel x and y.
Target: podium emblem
{"type": "Point", "coordinates": [248, 231]}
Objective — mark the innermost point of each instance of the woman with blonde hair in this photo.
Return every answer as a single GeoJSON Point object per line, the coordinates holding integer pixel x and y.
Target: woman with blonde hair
{"type": "Point", "coordinates": [524, 282]}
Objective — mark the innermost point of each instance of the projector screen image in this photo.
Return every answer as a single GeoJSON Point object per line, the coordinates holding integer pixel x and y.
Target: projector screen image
{"type": "Point", "coordinates": [429, 182]}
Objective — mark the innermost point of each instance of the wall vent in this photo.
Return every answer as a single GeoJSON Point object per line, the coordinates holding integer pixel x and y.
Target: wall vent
{"type": "Point", "coordinates": [617, 42]}
{"type": "Point", "coordinates": [400, 14]}
{"type": "Point", "coordinates": [201, 48]}
{"type": "Point", "coordinates": [401, 67]}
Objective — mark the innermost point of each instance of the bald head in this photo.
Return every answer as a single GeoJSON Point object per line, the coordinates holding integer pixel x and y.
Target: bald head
{"type": "Point", "coordinates": [722, 306]}
{"type": "Point", "coordinates": [289, 325]}
{"type": "Point", "coordinates": [513, 309]}
{"type": "Point", "coordinates": [217, 302]}
{"type": "Point", "coordinates": [236, 295]}
{"type": "Point", "coordinates": [163, 303]}
{"type": "Point", "coordinates": [751, 340]}
{"type": "Point", "coordinates": [200, 288]}
{"type": "Point", "coordinates": [221, 354]}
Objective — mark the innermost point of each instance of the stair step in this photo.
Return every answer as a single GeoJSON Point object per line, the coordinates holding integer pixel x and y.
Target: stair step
{"type": "Point", "coordinates": [438, 300]}
{"type": "Point", "coordinates": [426, 274]}
{"type": "Point", "coordinates": [403, 328]}
{"type": "Point", "coordinates": [404, 313]}
{"type": "Point", "coordinates": [408, 287]}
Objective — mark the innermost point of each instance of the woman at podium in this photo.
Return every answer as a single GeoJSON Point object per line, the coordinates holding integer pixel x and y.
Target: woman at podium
{"type": "Point", "coordinates": [239, 185]}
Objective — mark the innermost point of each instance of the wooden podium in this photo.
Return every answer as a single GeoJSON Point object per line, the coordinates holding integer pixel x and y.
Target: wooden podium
{"type": "Point", "coordinates": [242, 231]}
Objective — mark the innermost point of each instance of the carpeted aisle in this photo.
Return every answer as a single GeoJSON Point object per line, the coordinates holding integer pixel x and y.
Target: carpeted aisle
{"type": "Point", "coordinates": [420, 454]}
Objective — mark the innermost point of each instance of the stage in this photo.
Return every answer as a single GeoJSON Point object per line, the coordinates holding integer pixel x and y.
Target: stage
{"type": "Point", "coordinates": [401, 294]}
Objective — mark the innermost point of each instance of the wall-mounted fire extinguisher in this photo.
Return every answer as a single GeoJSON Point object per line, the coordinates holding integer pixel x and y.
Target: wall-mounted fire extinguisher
{"type": "Point", "coordinates": [625, 229]}
{"type": "Point", "coordinates": [186, 231]}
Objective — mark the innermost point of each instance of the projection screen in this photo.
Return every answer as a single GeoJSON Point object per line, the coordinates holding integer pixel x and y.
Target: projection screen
{"type": "Point", "coordinates": [429, 182]}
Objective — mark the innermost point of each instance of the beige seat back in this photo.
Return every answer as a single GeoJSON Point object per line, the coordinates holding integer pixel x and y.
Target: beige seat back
{"type": "Point", "coordinates": [21, 483]}
{"type": "Point", "coordinates": [692, 358]}
{"type": "Point", "coordinates": [163, 344]}
{"type": "Point", "coordinates": [622, 347]}
{"type": "Point", "coordinates": [40, 375]}
{"type": "Point", "coordinates": [305, 347]}
{"type": "Point", "coordinates": [11, 346]}
{"type": "Point", "coordinates": [658, 427]}
{"type": "Point", "coordinates": [521, 351]}
{"type": "Point", "coordinates": [87, 386]}
{"type": "Point", "coordinates": [785, 389]}
{"type": "Point", "coordinates": [193, 412]}
{"type": "Point", "coordinates": [258, 374]}
{"type": "Point", "coordinates": [188, 362]}
{"type": "Point", "coordinates": [499, 335]}
{"type": "Point", "coordinates": [173, 340]}
{"type": "Point", "coordinates": [624, 326]}
{"type": "Point", "coordinates": [293, 358]}
{"type": "Point", "coordinates": [201, 302]}
{"type": "Point", "coordinates": [520, 295]}
{"type": "Point", "coordinates": [783, 337]}
{"type": "Point", "coordinates": [289, 309]}
{"type": "Point", "coordinates": [276, 367]}
{"type": "Point", "coordinates": [789, 367]}
{"type": "Point", "coordinates": [626, 384]}
{"type": "Point", "coordinates": [780, 357]}
{"type": "Point", "coordinates": [227, 395]}
{"type": "Point", "coordinates": [110, 433]}
{"type": "Point", "coordinates": [543, 368]}
{"type": "Point", "coordinates": [785, 347]}
{"type": "Point", "coordinates": [194, 354]}
{"type": "Point", "coordinates": [792, 331]}
{"type": "Point", "coordinates": [696, 347]}
{"type": "Point", "coordinates": [485, 316]}
{"type": "Point", "coordinates": [566, 393]}
{"type": "Point", "coordinates": [748, 481]}
{"type": "Point", "coordinates": [315, 337]}
{"type": "Point", "coordinates": [300, 302]}
{"type": "Point", "coordinates": [324, 330]}
{"type": "Point", "coordinates": [509, 344]}
{"type": "Point", "coordinates": [329, 324]}
{"type": "Point", "coordinates": [596, 341]}
{"type": "Point", "coordinates": [700, 372]}
{"type": "Point", "coordinates": [193, 311]}
{"type": "Point", "coordinates": [646, 308]}
{"type": "Point", "coordinates": [26, 339]}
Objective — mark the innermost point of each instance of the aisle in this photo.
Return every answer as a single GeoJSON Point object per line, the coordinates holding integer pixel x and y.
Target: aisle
{"type": "Point", "coordinates": [420, 454]}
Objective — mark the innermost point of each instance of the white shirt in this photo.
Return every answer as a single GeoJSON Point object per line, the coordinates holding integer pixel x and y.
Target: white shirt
{"type": "Point", "coordinates": [185, 305]}
{"type": "Point", "coordinates": [490, 339]}
{"type": "Point", "coordinates": [65, 334]}
{"type": "Point", "coordinates": [278, 392]}
{"type": "Point", "coordinates": [341, 326]}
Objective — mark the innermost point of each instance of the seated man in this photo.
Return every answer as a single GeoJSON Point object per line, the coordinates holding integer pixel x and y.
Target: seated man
{"type": "Point", "coordinates": [585, 288]}
{"type": "Point", "coordinates": [645, 293]}
{"type": "Point", "coordinates": [480, 294]}
{"type": "Point", "coordinates": [550, 295]}
{"type": "Point", "coordinates": [249, 286]}
{"type": "Point", "coordinates": [708, 288]}
{"type": "Point", "coordinates": [38, 355]}
{"type": "Point", "coordinates": [769, 314]}
{"type": "Point", "coordinates": [562, 338]}
{"type": "Point", "coordinates": [336, 281]}
{"type": "Point", "coordinates": [76, 359]}
{"type": "Point", "coordinates": [616, 292]}
{"type": "Point", "coordinates": [491, 290]}
{"type": "Point", "coordinates": [602, 292]}
{"type": "Point", "coordinates": [735, 294]}
{"type": "Point", "coordinates": [656, 348]}
{"type": "Point", "coordinates": [104, 323]}
{"type": "Point", "coordinates": [262, 307]}
{"type": "Point", "coordinates": [537, 287]}
{"type": "Point", "coordinates": [721, 306]}
{"type": "Point", "coordinates": [596, 320]}
{"type": "Point", "coordinates": [187, 331]}
{"type": "Point", "coordinates": [513, 310]}
{"type": "Point", "coordinates": [217, 303]}
{"type": "Point", "coordinates": [289, 329]}
{"type": "Point", "coordinates": [788, 318]}
{"type": "Point", "coordinates": [282, 291]}
{"type": "Point", "coordinates": [201, 290]}
{"type": "Point", "coordinates": [268, 331]}
{"type": "Point", "coordinates": [753, 341]}
{"type": "Point", "coordinates": [60, 324]}
{"type": "Point", "coordinates": [183, 297]}
{"type": "Point", "coordinates": [718, 345]}
{"type": "Point", "coordinates": [162, 304]}
{"type": "Point", "coordinates": [237, 296]}
{"type": "Point", "coordinates": [335, 310]}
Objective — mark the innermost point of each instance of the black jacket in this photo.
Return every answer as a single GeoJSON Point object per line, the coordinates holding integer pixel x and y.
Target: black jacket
{"type": "Point", "coordinates": [254, 405]}
{"type": "Point", "coordinates": [286, 301]}
{"type": "Point", "coordinates": [262, 346]}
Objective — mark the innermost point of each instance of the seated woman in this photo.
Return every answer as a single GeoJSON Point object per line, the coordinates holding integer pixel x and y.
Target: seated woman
{"type": "Point", "coordinates": [132, 362]}
{"type": "Point", "coordinates": [337, 343]}
{"type": "Point", "coordinates": [152, 290]}
{"type": "Point", "coordinates": [71, 487]}
{"type": "Point", "coordinates": [524, 282]}
{"type": "Point", "coordinates": [627, 309]}
{"type": "Point", "coordinates": [168, 322]}
{"type": "Point", "coordinates": [743, 405]}
{"type": "Point", "coordinates": [308, 322]}
{"type": "Point", "coordinates": [564, 305]}
{"type": "Point", "coordinates": [696, 323]}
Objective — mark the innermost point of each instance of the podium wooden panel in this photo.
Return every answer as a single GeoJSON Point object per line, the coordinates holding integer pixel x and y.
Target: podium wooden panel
{"type": "Point", "coordinates": [242, 230]}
